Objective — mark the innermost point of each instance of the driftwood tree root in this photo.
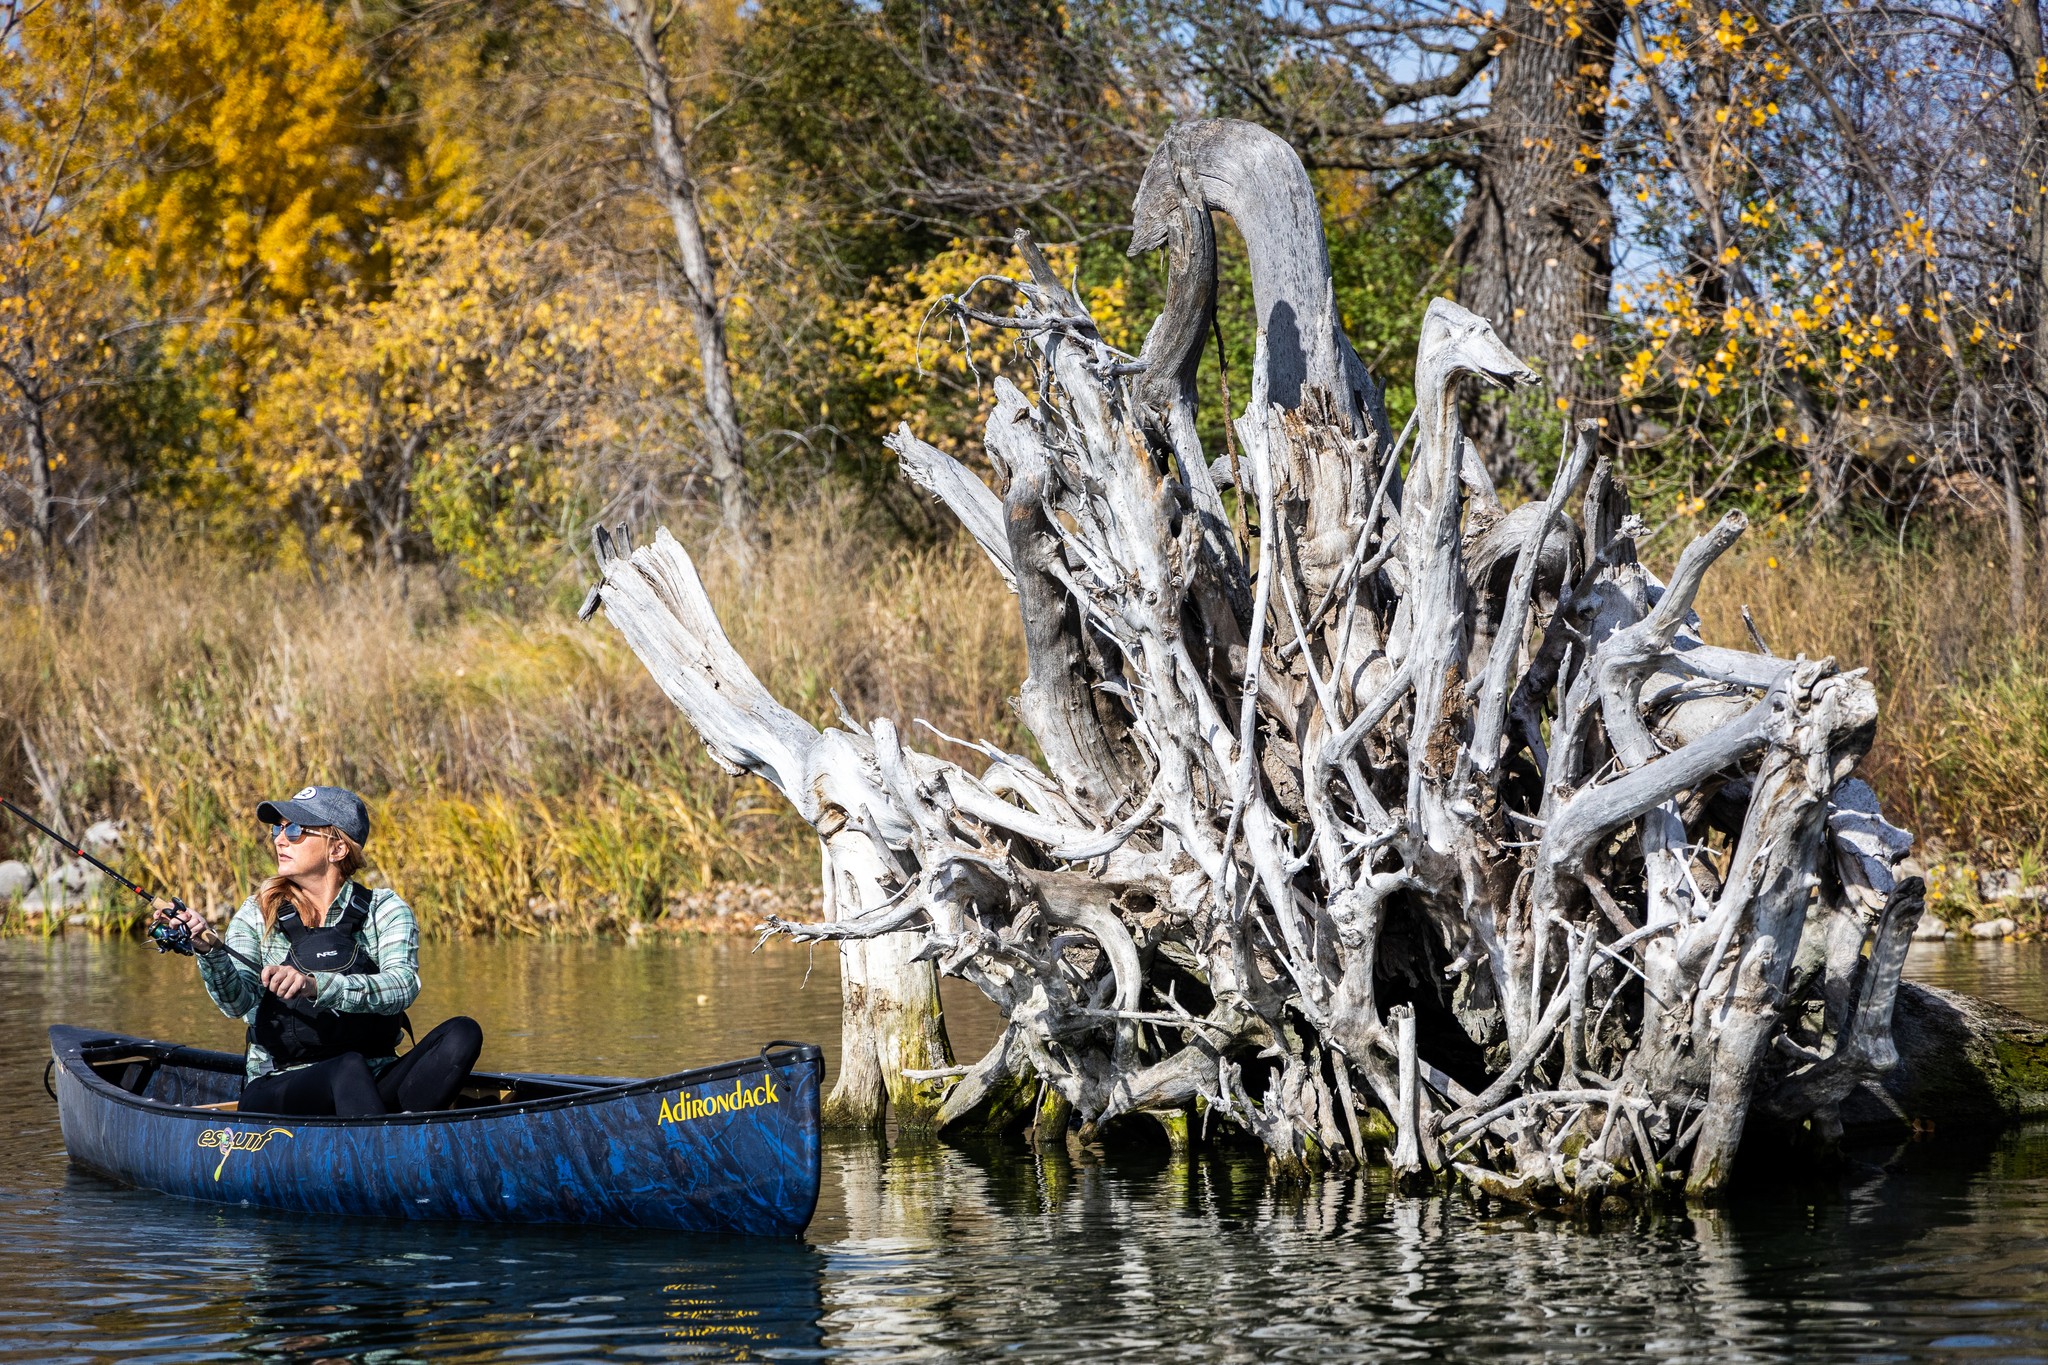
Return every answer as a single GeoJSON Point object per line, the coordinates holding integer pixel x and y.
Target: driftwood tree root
{"type": "Point", "coordinates": [1366, 806]}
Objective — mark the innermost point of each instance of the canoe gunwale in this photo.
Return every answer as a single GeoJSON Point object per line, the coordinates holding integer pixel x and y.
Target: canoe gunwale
{"type": "Point", "coordinates": [70, 1044]}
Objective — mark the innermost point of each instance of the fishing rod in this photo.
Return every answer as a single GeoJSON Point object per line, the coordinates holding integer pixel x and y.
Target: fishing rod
{"type": "Point", "coordinates": [171, 936]}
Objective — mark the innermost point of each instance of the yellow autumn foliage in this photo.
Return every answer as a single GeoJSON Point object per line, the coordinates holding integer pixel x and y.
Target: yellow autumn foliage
{"type": "Point", "coordinates": [58, 297]}
{"type": "Point", "coordinates": [183, 177]}
{"type": "Point", "coordinates": [251, 186]}
{"type": "Point", "coordinates": [465, 394]}
{"type": "Point", "coordinates": [901, 335]}
{"type": "Point", "coordinates": [1777, 328]}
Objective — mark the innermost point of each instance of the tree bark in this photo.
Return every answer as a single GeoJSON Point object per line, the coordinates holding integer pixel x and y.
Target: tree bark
{"type": "Point", "coordinates": [31, 406]}
{"type": "Point", "coordinates": [677, 190]}
{"type": "Point", "coordinates": [2026, 53]}
{"type": "Point", "coordinates": [2015, 539]}
{"type": "Point", "coordinates": [42, 497]}
{"type": "Point", "coordinates": [1535, 238]}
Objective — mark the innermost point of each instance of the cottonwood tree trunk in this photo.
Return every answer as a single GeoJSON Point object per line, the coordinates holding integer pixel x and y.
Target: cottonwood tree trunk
{"type": "Point", "coordinates": [2026, 54]}
{"type": "Point", "coordinates": [2015, 539]}
{"type": "Point", "coordinates": [31, 408]}
{"type": "Point", "coordinates": [42, 501]}
{"type": "Point", "coordinates": [1535, 239]}
{"type": "Point", "coordinates": [677, 189]}
{"type": "Point", "coordinates": [1411, 815]}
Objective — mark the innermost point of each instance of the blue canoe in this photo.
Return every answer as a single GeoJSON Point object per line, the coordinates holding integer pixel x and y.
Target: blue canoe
{"type": "Point", "coordinates": [731, 1148]}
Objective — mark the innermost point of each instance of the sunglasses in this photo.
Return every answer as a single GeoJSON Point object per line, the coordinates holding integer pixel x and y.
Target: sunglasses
{"type": "Point", "coordinates": [292, 833]}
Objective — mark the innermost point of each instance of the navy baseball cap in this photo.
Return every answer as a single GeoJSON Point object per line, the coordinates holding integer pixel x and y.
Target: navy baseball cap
{"type": "Point", "coordinates": [310, 806]}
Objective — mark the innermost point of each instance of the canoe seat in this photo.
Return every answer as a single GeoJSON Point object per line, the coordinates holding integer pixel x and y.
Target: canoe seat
{"type": "Point", "coordinates": [130, 1072]}
{"type": "Point", "coordinates": [224, 1107]}
{"type": "Point", "coordinates": [484, 1096]}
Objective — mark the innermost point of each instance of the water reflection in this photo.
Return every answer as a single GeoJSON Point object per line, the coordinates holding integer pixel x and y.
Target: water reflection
{"type": "Point", "coordinates": [922, 1251]}
{"type": "Point", "coordinates": [2013, 974]}
{"type": "Point", "coordinates": [945, 1256]}
{"type": "Point", "coordinates": [101, 1273]}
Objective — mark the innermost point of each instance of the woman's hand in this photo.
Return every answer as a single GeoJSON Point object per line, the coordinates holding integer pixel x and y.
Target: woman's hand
{"type": "Point", "coordinates": [287, 982]}
{"type": "Point", "coordinates": [203, 937]}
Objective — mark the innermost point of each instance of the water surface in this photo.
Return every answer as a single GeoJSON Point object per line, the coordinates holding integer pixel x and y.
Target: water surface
{"type": "Point", "coordinates": [1934, 1251]}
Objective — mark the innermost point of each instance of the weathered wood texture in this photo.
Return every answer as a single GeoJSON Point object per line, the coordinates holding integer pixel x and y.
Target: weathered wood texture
{"type": "Point", "coordinates": [890, 1021]}
{"type": "Point", "coordinates": [1396, 802]}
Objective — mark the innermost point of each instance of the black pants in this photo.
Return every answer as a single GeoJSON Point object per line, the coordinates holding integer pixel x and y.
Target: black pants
{"type": "Point", "coordinates": [424, 1079]}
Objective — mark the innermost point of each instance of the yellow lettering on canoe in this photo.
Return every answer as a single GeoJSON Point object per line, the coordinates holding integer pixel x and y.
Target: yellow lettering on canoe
{"type": "Point", "coordinates": [685, 1106]}
{"type": "Point", "coordinates": [237, 1140]}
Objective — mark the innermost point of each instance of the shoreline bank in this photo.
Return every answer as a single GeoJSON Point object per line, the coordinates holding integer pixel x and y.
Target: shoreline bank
{"type": "Point", "coordinates": [732, 909]}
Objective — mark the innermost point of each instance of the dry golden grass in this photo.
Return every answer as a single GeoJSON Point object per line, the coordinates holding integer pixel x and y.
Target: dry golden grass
{"type": "Point", "coordinates": [1961, 755]}
{"type": "Point", "coordinates": [524, 773]}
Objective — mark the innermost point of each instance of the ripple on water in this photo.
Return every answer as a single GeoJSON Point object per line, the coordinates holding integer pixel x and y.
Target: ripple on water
{"type": "Point", "coordinates": [926, 1253]}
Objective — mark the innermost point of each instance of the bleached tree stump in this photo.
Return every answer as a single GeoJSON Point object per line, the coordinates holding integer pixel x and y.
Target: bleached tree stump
{"type": "Point", "coordinates": [1408, 802]}
{"type": "Point", "coordinates": [889, 996]}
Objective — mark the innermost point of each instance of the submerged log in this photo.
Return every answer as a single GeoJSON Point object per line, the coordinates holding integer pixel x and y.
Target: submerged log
{"type": "Point", "coordinates": [1367, 807]}
{"type": "Point", "coordinates": [1963, 1064]}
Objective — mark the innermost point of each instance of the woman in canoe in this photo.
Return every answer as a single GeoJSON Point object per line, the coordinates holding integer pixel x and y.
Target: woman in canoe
{"type": "Point", "coordinates": [341, 963]}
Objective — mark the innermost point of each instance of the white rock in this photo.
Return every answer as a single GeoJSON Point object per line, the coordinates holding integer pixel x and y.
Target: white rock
{"type": "Point", "coordinates": [15, 880]}
{"type": "Point", "coordinates": [2005, 885]}
{"type": "Point", "coordinates": [103, 835]}
{"type": "Point", "coordinates": [2002, 927]}
{"type": "Point", "coordinates": [64, 889]}
{"type": "Point", "coordinates": [2000, 884]}
{"type": "Point", "coordinates": [1930, 930]}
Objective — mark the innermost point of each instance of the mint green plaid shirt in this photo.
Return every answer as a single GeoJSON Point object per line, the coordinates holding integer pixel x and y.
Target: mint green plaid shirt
{"type": "Point", "coordinates": [390, 937]}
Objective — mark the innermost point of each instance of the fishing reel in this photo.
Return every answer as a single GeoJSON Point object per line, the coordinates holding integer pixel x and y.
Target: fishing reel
{"type": "Point", "coordinates": [172, 936]}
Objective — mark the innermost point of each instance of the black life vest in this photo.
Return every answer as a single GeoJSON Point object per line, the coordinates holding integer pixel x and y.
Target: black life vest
{"type": "Point", "coordinates": [294, 1032]}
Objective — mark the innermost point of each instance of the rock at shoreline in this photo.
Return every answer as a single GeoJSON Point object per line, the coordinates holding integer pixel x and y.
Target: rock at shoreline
{"type": "Point", "coordinates": [15, 880]}
{"type": "Point", "coordinates": [2002, 927]}
{"type": "Point", "coordinates": [66, 889]}
{"type": "Point", "coordinates": [1931, 930]}
{"type": "Point", "coordinates": [746, 905]}
{"type": "Point", "coordinates": [70, 885]}
{"type": "Point", "coordinates": [2004, 884]}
